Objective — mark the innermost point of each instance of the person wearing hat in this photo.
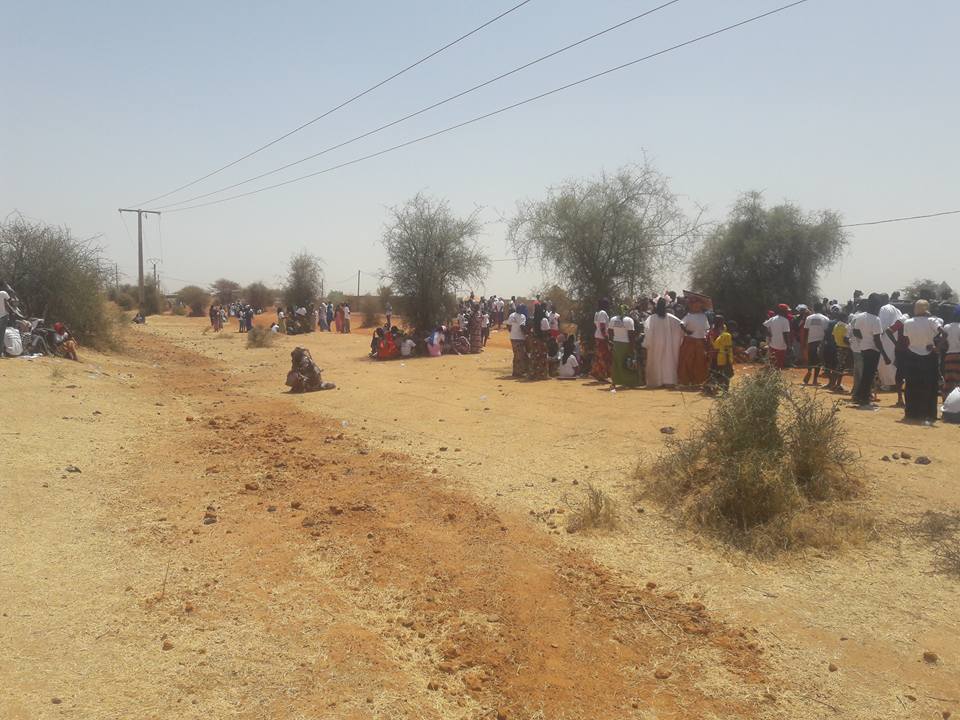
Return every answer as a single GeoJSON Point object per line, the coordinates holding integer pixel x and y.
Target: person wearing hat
{"type": "Point", "coordinates": [922, 373]}
{"type": "Point", "coordinates": [778, 333]}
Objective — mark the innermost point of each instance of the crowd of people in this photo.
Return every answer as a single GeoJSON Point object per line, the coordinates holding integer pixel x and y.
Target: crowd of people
{"type": "Point", "coordinates": [25, 336]}
{"type": "Point", "coordinates": [878, 341]}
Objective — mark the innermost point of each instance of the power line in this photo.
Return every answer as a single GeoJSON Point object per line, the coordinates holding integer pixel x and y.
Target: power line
{"type": "Point", "coordinates": [425, 109]}
{"type": "Point", "coordinates": [504, 109]}
{"type": "Point", "coordinates": [902, 219]}
{"type": "Point", "coordinates": [341, 105]}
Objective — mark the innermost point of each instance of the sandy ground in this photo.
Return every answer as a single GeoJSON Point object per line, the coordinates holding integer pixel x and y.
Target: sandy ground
{"type": "Point", "coordinates": [395, 548]}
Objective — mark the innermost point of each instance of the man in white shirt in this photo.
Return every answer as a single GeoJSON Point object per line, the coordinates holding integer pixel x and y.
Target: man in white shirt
{"type": "Point", "coordinates": [868, 332]}
{"type": "Point", "coordinates": [515, 324]}
{"type": "Point", "coordinates": [346, 318]}
{"type": "Point", "coordinates": [554, 317]}
{"type": "Point", "coordinates": [4, 313]}
{"type": "Point", "coordinates": [889, 314]}
{"type": "Point", "coordinates": [814, 331]}
{"type": "Point", "coordinates": [407, 347]}
{"type": "Point", "coordinates": [778, 332]}
{"type": "Point", "coordinates": [854, 340]}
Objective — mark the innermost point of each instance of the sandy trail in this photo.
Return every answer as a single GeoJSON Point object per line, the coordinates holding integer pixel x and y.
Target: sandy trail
{"type": "Point", "coordinates": [871, 610]}
{"type": "Point", "coordinates": [332, 578]}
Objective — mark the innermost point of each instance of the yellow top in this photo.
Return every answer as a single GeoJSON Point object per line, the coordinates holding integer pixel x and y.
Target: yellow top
{"type": "Point", "coordinates": [840, 335]}
{"type": "Point", "coordinates": [724, 347]}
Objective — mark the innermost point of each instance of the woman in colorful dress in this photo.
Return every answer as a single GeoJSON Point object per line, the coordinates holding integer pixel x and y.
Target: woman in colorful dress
{"type": "Point", "coordinates": [475, 327]}
{"type": "Point", "coordinates": [600, 369]}
{"type": "Point", "coordinates": [622, 334]}
{"type": "Point", "coordinates": [537, 362]}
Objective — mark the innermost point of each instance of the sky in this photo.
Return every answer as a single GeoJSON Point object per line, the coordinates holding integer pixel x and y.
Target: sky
{"type": "Point", "coordinates": [848, 105]}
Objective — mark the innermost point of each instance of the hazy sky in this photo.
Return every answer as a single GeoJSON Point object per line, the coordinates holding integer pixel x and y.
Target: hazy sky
{"type": "Point", "coordinates": [844, 104]}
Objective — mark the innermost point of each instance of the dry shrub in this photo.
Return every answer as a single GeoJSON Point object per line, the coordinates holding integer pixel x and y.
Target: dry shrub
{"type": "Point", "coordinates": [767, 470]}
{"type": "Point", "coordinates": [596, 511]}
{"type": "Point", "coordinates": [259, 337]}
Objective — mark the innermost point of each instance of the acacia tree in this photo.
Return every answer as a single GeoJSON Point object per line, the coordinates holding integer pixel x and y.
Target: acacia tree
{"type": "Point", "coordinates": [430, 255]}
{"type": "Point", "coordinates": [926, 289]}
{"type": "Point", "coordinates": [225, 291]}
{"type": "Point", "coordinates": [195, 298]}
{"type": "Point", "coordinates": [607, 237]}
{"type": "Point", "coordinates": [259, 295]}
{"type": "Point", "coordinates": [56, 276]}
{"type": "Point", "coordinates": [303, 279]}
{"type": "Point", "coordinates": [764, 256]}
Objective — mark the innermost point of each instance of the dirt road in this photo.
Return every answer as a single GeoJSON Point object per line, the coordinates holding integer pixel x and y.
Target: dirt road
{"type": "Point", "coordinates": [394, 548]}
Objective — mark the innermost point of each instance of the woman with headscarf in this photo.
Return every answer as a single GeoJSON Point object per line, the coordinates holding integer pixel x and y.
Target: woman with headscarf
{"type": "Point", "coordinates": [921, 373]}
{"type": "Point", "coordinates": [662, 337]}
{"type": "Point", "coordinates": [622, 332]}
{"type": "Point", "coordinates": [537, 362]}
{"type": "Point", "coordinates": [600, 368]}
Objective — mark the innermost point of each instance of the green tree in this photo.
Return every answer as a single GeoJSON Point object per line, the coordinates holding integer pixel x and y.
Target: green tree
{"type": "Point", "coordinates": [764, 256]}
{"type": "Point", "coordinates": [430, 255]}
{"type": "Point", "coordinates": [927, 289]}
{"type": "Point", "coordinates": [259, 295]}
{"type": "Point", "coordinates": [225, 291]}
{"type": "Point", "coordinates": [609, 237]}
{"type": "Point", "coordinates": [56, 276]}
{"type": "Point", "coordinates": [303, 279]}
{"type": "Point", "coordinates": [195, 298]}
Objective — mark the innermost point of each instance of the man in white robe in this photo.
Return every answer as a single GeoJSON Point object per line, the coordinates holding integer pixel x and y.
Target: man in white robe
{"type": "Point", "coordinates": [663, 334]}
{"type": "Point", "coordinates": [888, 316]}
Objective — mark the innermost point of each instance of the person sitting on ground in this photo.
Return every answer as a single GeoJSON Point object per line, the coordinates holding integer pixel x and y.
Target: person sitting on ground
{"type": "Point", "coordinates": [408, 346]}
{"type": "Point", "coordinates": [304, 375]}
{"type": "Point", "coordinates": [275, 328]}
{"type": "Point", "coordinates": [435, 342]}
{"type": "Point", "coordinates": [139, 319]}
{"type": "Point", "coordinates": [569, 365]}
{"type": "Point", "coordinates": [375, 342]}
{"type": "Point", "coordinates": [66, 344]}
{"type": "Point", "coordinates": [388, 345]}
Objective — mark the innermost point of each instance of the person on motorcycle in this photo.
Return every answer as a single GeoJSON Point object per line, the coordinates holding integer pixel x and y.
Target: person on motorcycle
{"type": "Point", "coordinates": [66, 345]}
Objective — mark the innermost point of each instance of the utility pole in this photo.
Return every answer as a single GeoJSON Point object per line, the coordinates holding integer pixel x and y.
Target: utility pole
{"type": "Point", "coordinates": [156, 280]}
{"type": "Point", "coordinates": [116, 276]}
{"type": "Point", "coordinates": [140, 243]}
{"type": "Point", "coordinates": [358, 286]}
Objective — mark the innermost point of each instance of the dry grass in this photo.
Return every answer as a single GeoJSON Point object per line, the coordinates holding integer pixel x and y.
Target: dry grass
{"type": "Point", "coordinates": [941, 530]}
{"type": "Point", "coordinates": [595, 511]}
{"type": "Point", "coordinates": [258, 337]}
{"type": "Point", "coordinates": [768, 470]}
{"type": "Point", "coordinates": [57, 374]}
{"type": "Point", "coordinates": [947, 558]}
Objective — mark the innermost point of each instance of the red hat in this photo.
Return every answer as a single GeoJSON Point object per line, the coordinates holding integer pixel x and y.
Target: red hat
{"type": "Point", "coordinates": [783, 307]}
{"type": "Point", "coordinates": [58, 327]}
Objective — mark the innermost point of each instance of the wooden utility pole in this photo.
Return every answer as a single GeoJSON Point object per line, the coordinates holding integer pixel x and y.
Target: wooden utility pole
{"type": "Point", "coordinates": [358, 286]}
{"type": "Point", "coordinates": [140, 244]}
